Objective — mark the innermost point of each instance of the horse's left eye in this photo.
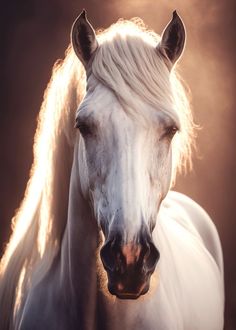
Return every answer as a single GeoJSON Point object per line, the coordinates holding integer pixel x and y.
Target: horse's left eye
{"type": "Point", "coordinates": [170, 131]}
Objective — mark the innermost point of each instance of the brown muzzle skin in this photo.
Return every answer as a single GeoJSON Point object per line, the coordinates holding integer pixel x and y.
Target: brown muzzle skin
{"type": "Point", "coordinates": [129, 266]}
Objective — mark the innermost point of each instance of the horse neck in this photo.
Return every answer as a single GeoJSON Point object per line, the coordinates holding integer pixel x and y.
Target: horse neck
{"type": "Point", "coordinates": [79, 246]}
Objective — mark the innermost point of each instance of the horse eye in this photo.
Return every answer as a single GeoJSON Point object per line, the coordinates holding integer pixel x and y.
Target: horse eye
{"type": "Point", "coordinates": [83, 128]}
{"type": "Point", "coordinates": [170, 131]}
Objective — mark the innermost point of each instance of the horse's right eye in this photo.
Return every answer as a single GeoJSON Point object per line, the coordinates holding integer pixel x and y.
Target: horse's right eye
{"type": "Point", "coordinates": [83, 128]}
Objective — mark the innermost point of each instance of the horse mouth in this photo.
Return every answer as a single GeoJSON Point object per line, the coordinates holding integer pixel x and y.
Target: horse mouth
{"type": "Point", "coordinates": [128, 296]}
{"type": "Point", "coordinates": [127, 293]}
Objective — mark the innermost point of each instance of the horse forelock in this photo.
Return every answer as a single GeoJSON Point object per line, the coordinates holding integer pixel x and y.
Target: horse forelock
{"type": "Point", "coordinates": [129, 63]}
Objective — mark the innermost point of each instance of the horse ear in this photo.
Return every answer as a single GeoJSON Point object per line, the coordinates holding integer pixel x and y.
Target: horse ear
{"type": "Point", "coordinates": [83, 38]}
{"type": "Point", "coordinates": [173, 39]}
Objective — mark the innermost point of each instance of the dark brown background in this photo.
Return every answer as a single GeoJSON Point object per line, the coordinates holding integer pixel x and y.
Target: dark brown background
{"type": "Point", "coordinates": [34, 33]}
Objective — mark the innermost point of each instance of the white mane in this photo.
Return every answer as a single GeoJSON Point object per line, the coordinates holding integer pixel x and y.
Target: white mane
{"type": "Point", "coordinates": [125, 61]}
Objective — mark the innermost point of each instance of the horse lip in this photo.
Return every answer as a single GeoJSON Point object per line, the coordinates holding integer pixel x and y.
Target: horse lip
{"type": "Point", "coordinates": [124, 296]}
{"type": "Point", "coordinates": [128, 295]}
{"type": "Point", "coordinates": [132, 296]}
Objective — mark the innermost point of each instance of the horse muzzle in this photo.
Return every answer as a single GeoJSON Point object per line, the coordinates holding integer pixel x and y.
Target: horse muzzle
{"type": "Point", "coordinates": [129, 266]}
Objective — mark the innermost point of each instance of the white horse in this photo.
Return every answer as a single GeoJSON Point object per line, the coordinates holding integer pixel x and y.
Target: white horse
{"type": "Point", "coordinates": [98, 213]}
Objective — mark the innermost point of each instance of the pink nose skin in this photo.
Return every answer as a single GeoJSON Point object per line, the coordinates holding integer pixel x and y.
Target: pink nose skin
{"type": "Point", "coordinates": [129, 266]}
{"type": "Point", "coordinates": [131, 253]}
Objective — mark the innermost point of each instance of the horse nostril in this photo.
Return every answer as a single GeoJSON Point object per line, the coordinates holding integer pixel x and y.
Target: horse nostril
{"type": "Point", "coordinates": [107, 256]}
{"type": "Point", "coordinates": [116, 257]}
{"type": "Point", "coordinates": [151, 257]}
{"type": "Point", "coordinates": [111, 256]}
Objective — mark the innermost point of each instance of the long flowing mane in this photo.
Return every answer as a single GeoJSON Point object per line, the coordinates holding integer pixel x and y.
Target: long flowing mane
{"type": "Point", "coordinates": [125, 58]}
{"type": "Point", "coordinates": [39, 223]}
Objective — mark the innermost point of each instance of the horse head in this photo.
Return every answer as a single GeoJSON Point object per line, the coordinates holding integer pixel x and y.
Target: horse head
{"type": "Point", "coordinates": [125, 149]}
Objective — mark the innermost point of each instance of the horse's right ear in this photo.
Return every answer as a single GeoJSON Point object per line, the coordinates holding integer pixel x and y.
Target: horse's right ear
{"type": "Point", "coordinates": [83, 38]}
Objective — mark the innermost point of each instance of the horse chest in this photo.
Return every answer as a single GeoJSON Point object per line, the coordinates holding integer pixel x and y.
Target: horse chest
{"type": "Point", "coordinates": [149, 313]}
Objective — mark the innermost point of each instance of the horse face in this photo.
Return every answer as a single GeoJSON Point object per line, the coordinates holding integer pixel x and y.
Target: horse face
{"type": "Point", "coordinates": [125, 170]}
{"type": "Point", "coordinates": [125, 163]}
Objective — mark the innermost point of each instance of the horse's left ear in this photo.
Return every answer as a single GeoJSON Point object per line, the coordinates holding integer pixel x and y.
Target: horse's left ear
{"type": "Point", "coordinates": [173, 40]}
{"type": "Point", "coordinates": [83, 38]}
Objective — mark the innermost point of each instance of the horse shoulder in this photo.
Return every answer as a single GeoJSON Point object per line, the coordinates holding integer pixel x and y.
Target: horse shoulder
{"type": "Point", "coordinates": [194, 215]}
{"type": "Point", "coordinates": [191, 266]}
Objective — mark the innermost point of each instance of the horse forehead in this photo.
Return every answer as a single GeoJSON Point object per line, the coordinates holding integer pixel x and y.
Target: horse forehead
{"type": "Point", "coordinates": [109, 116]}
{"type": "Point", "coordinates": [102, 104]}
{"type": "Point", "coordinates": [99, 92]}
